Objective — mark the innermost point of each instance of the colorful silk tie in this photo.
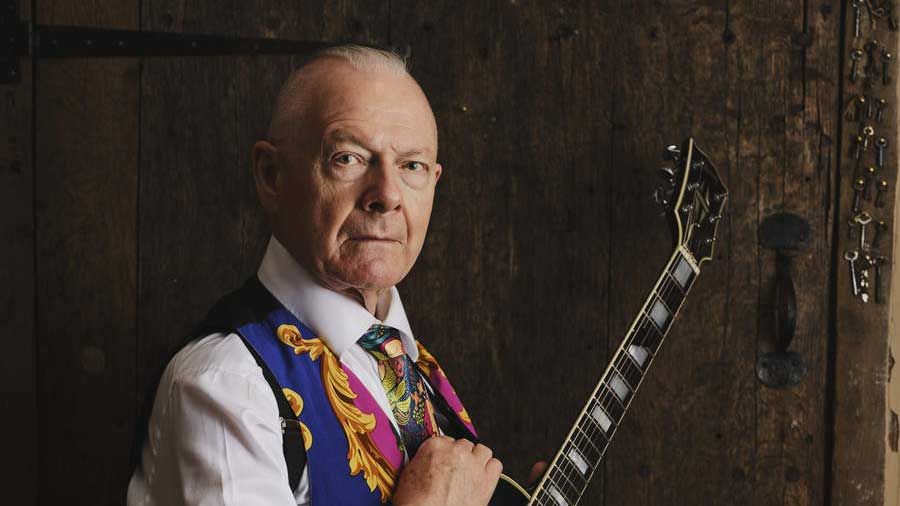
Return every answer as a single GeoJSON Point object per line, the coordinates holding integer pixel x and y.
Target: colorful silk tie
{"type": "Point", "coordinates": [403, 385]}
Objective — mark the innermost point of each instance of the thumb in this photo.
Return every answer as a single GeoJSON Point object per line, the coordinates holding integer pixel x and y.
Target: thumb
{"type": "Point", "coordinates": [537, 470]}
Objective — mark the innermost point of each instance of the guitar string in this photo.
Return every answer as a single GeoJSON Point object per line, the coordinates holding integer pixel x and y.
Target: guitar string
{"type": "Point", "coordinates": [667, 286]}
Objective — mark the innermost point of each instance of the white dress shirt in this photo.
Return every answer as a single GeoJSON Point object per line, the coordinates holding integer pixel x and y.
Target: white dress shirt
{"type": "Point", "coordinates": [214, 437]}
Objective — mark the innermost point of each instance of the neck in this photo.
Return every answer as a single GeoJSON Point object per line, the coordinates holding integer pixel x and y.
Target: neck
{"type": "Point", "coordinates": [587, 441]}
{"type": "Point", "coordinates": [376, 302]}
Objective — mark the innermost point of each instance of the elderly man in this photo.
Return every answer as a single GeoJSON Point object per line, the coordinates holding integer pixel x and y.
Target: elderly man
{"type": "Point", "coordinates": [347, 178]}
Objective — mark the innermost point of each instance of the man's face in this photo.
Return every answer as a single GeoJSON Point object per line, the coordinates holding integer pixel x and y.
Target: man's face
{"type": "Point", "coordinates": [358, 178]}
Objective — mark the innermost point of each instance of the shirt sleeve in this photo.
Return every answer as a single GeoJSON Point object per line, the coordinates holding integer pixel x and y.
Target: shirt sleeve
{"type": "Point", "coordinates": [215, 438]}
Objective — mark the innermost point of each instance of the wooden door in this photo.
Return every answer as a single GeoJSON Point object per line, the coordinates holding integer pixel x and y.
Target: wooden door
{"type": "Point", "coordinates": [129, 208]}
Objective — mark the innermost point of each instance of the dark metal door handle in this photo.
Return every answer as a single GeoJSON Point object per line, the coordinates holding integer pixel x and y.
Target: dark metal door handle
{"type": "Point", "coordinates": [785, 233]}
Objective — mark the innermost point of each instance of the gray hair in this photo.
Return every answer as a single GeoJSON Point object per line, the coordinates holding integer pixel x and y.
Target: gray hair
{"type": "Point", "coordinates": [291, 97]}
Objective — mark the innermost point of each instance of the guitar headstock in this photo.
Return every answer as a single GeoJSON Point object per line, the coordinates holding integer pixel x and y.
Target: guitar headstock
{"type": "Point", "coordinates": [695, 197]}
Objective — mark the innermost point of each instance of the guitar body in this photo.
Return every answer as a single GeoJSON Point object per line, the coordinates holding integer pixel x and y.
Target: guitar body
{"type": "Point", "coordinates": [509, 493]}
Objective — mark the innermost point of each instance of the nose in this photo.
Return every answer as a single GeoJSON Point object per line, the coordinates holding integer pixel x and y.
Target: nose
{"type": "Point", "coordinates": [382, 193]}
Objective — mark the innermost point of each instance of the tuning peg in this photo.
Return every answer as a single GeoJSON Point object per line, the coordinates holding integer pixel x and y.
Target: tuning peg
{"type": "Point", "coordinates": [668, 173]}
{"type": "Point", "coordinates": [662, 196]}
{"type": "Point", "coordinates": [672, 152]}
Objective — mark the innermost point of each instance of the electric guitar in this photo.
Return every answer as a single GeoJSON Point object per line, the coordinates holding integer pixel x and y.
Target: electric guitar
{"type": "Point", "coordinates": [695, 200]}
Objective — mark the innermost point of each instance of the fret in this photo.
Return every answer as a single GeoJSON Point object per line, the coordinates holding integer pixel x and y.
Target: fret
{"type": "Point", "coordinates": [626, 367]}
{"type": "Point", "coordinates": [638, 355]}
{"type": "Point", "coordinates": [647, 336]}
{"type": "Point", "coordinates": [611, 404]}
{"type": "Point", "coordinates": [592, 452]}
{"type": "Point", "coordinates": [670, 293]}
{"type": "Point", "coordinates": [581, 463]}
{"type": "Point", "coordinates": [619, 387]}
{"type": "Point", "coordinates": [682, 272]}
{"type": "Point", "coordinates": [588, 440]}
{"type": "Point", "coordinates": [659, 314]}
{"type": "Point", "coordinates": [564, 487]}
{"type": "Point", "coordinates": [601, 418]}
{"type": "Point", "coordinates": [573, 470]}
{"type": "Point", "coordinates": [553, 493]}
{"type": "Point", "coordinates": [594, 431]}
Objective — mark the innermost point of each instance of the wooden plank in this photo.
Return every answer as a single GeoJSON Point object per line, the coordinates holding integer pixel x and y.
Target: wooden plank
{"type": "Point", "coordinates": [202, 230]}
{"type": "Point", "coordinates": [86, 205]}
{"type": "Point", "coordinates": [861, 349]}
{"type": "Point", "coordinates": [511, 288]}
{"type": "Point", "coordinates": [17, 303]}
{"type": "Point", "coordinates": [692, 441]}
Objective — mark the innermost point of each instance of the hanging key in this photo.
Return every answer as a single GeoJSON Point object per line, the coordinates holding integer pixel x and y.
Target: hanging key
{"type": "Point", "coordinates": [855, 56]}
{"type": "Point", "coordinates": [859, 185]}
{"type": "Point", "coordinates": [868, 131]}
{"type": "Point", "coordinates": [879, 193]}
{"type": "Point", "coordinates": [857, 148]}
{"type": "Point", "coordinates": [886, 58]}
{"type": "Point", "coordinates": [877, 264]}
{"type": "Point", "coordinates": [880, 145]}
{"type": "Point", "coordinates": [851, 257]}
{"type": "Point", "coordinates": [880, 106]}
{"type": "Point", "coordinates": [859, 108]}
{"type": "Point", "coordinates": [856, 5]}
{"type": "Point", "coordinates": [869, 174]}
{"type": "Point", "coordinates": [863, 271]}
{"type": "Point", "coordinates": [863, 219]}
{"type": "Point", "coordinates": [880, 229]}
{"type": "Point", "coordinates": [870, 48]}
{"type": "Point", "coordinates": [869, 106]}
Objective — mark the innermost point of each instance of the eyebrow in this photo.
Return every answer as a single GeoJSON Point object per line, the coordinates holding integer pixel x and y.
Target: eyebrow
{"type": "Point", "coordinates": [346, 136]}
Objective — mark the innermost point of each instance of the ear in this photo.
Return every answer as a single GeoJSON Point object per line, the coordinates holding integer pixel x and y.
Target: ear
{"type": "Point", "coordinates": [438, 169]}
{"type": "Point", "coordinates": [267, 175]}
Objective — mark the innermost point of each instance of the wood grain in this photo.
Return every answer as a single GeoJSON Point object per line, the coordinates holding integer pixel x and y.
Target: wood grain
{"type": "Point", "coordinates": [861, 348]}
{"type": "Point", "coordinates": [17, 303]}
{"type": "Point", "coordinates": [201, 228]}
{"type": "Point", "coordinates": [139, 211]}
{"type": "Point", "coordinates": [86, 249]}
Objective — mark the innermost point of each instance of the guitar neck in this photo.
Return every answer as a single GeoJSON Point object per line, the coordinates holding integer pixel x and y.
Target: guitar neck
{"type": "Point", "coordinates": [573, 466]}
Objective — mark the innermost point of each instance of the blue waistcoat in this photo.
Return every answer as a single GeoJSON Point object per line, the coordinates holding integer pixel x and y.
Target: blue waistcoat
{"type": "Point", "coordinates": [353, 454]}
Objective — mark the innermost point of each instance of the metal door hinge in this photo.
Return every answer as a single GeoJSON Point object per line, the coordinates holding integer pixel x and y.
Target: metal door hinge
{"type": "Point", "coordinates": [21, 38]}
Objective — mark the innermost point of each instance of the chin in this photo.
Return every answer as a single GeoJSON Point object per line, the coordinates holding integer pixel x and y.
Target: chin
{"type": "Point", "coordinates": [374, 275]}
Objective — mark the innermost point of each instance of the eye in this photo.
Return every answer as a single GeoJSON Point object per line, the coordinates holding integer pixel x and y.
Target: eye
{"type": "Point", "coordinates": [346, 159]}
{"type": "Point", "coordinates": [416, 166]}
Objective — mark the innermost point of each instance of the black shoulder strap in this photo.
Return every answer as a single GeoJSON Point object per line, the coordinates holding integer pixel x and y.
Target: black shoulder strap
{"type": "Point", "coordinates": [250, 303]}
{"type": "Point", "coordinates": [291, 437]}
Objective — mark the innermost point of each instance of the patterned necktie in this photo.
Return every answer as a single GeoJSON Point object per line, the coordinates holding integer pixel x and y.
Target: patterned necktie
{"type": "Point", "coordinates": [404, 386]}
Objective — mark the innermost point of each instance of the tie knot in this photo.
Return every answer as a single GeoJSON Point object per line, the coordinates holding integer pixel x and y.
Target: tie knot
{"type": "Point", "coordinates": [382, 340]}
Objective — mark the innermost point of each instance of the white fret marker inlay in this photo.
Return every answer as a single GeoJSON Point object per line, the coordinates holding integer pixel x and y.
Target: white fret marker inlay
{"type": "Point", "coordinates": [683, 272]}
{"type": "Point", "coordinates": [600, 417]}
{"type": "Point", "coordinates": [578, 460]}
{"type": "Point", "coordinates": [659, 314]}
{"type": "Point", "coordinates": [618, 386]}
{"type": "Point", "coordinates": [639, 354]}
{"type": "Point", "coordinates": [557, 496]}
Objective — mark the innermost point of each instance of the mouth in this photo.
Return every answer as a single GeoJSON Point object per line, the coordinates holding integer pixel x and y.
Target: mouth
{"type": "Point", "coordinates": [373, 238]}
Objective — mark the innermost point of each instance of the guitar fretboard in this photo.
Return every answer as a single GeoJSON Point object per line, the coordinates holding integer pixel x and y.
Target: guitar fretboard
{"type": "Point", "coordinates": [570, 471]}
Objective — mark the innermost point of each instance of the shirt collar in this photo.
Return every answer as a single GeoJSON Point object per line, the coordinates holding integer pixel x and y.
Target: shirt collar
{"type": "Point", "coordinates": [337, 319]}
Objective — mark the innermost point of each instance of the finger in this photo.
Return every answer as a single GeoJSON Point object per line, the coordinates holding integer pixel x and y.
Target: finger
{"type": "Point", "coordinates": [464, 444]}
{"type": "Point", "coordinates": [536, 471]}
{"type": "Point", "coordinates": [483, 453]}
{"type": "Point", "coordinates": [435, 443]}
{"type": "Point", "coordinates": [494, 467]}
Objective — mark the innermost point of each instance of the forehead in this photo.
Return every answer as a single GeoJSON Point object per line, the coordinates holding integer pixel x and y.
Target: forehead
{"type": "Point", "coordinates": [374, 107]}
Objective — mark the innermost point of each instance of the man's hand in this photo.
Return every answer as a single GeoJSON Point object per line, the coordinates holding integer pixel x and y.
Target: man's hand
{"type": "Point", "coordinates": [448, 472]}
